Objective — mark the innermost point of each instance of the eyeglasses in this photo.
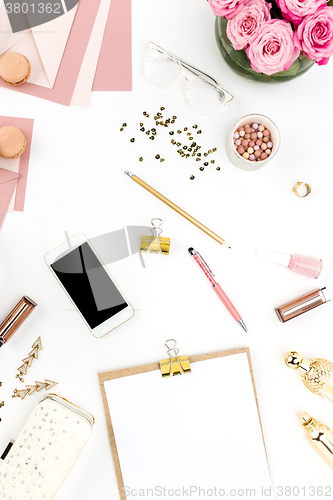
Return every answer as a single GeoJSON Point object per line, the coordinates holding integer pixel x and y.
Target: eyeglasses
{"type": "Point", "coordinates": [203, 93]}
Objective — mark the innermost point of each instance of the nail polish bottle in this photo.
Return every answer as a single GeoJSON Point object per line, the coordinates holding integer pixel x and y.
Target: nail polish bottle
{"type": "Point", "coordinates": [316, 374]}
{"type": "Point", "coordinates": [319, 436]}
{"type": "Point", "coordinates": [310, 266]}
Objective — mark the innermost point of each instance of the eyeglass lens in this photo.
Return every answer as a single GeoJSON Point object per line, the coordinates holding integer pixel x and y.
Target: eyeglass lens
{"type": "Point", "coordinates": [202, 96]}
{"type": "Point", "coordinates": [161, 69]}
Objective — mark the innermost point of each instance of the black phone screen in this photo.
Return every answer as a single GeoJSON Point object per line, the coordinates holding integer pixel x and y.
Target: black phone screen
{"type": "Point", "coordinates": [89, 285]}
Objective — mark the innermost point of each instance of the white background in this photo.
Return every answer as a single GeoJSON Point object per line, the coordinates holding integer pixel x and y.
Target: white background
{"type": "Point", "coordinates": [75, 171]}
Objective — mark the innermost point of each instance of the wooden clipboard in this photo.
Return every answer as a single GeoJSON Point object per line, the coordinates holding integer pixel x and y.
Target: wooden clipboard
{"type": "Point", "coordinates": [111, 375]}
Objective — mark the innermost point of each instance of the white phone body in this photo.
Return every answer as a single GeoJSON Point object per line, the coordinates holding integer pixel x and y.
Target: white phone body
{"type": "Point", "coordinates": [70, 250]}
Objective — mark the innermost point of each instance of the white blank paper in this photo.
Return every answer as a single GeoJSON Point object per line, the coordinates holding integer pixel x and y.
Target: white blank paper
{"type": "Point", "coordinates": [199, 430]}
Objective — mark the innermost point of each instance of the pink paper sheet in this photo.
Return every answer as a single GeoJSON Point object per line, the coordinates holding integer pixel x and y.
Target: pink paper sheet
{"type": "Point", "coordinates": [82, 92]}
{"type": "Point", "coordinates": [72, 59]}
{"type": "Point", "coordinates": [114, 69]}
{"type": "Point", "coordinates": [26, 126]}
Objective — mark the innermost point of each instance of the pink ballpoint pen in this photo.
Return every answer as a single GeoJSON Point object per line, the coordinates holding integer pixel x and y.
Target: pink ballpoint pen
{"type": "Point", "coordinates": [216, 287]}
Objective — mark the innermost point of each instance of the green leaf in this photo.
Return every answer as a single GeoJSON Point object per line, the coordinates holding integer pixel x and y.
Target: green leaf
{"type": "Point", "coordinates": [293, 70]}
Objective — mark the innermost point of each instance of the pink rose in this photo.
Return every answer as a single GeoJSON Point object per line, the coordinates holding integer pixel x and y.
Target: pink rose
{"type": "Point", "coordinates": [315, 35]}
{"type": "Point", "coordinates": [226, 8]}
{"type": "Point", "coordinates": [273, 48]}
{"type": "Point", "coordinates": [296, 10]}
{"type": "Point", "coordinates": [246, 23]}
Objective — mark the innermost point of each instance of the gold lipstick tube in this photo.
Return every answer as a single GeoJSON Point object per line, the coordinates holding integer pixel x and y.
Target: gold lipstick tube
{"type": "Point", "coordinates": [15, 319]}
{"type": "Point", "coordinates": [301, 305]}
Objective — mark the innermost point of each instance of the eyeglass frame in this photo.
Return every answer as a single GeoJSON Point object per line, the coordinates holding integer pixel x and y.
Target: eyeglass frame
{"type": "Point", "coordinates": [192, 69]}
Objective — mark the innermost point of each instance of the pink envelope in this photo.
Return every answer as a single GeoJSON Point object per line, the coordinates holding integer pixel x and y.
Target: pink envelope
{"type": "Point", "coordinates": [13, 165]}
{"type": "Point", "coordinates": [114, 69]}
{"type": "Point", "coordinates": [26, 126]}
{"type": "Point", "coordinates": [69, 68]}
{"type": "Point", "coordinates": [8, 182]}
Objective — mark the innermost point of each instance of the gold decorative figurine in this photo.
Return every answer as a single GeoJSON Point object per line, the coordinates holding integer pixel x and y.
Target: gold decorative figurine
{"type": "Point", "coordinates": [316, 374]}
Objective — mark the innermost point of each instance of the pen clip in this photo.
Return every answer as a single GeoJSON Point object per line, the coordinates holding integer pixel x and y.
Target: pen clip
{"type": "Point", "coordinates": [203, 260]}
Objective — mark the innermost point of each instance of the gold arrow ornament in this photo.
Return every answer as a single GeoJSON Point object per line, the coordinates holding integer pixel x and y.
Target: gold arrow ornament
{"type": "Point", "coordinates": [36, 346]}
{"type": "Point", "coordinates": [30, 389]}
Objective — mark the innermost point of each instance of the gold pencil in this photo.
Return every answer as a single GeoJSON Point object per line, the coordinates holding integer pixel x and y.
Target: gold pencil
{"type": "Point", "coordinates": [176, 208]}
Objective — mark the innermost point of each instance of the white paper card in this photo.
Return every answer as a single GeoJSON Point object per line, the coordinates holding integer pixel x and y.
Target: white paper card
{"type": "Point", "coordinates": [13, 165]}
{"type": "Point", "coordinates": [199, 430]}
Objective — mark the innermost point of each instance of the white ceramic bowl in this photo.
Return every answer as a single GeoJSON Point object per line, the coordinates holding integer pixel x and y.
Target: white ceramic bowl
{"type": "Point", "coordinates": [240, 162]}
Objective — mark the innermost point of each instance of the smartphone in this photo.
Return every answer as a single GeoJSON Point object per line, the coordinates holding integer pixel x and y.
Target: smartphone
{"type": "Point", "coordinates": [89, 285]}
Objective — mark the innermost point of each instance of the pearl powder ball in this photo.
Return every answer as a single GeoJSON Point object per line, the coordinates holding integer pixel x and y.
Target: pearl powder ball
{"type": "Point", "coordinates": [253, 142]}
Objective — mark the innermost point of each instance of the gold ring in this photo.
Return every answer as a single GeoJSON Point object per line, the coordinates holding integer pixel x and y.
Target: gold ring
{"type": "Point", "coordinates": [302, 189]}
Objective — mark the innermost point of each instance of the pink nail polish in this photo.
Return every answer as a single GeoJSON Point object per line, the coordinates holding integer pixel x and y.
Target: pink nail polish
{"type": "Point", "coordinates": [309, 266]}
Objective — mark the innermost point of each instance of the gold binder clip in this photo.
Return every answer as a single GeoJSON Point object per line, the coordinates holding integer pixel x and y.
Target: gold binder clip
{"type": "Point", "coordinates": [176, 365]}
{"type": "Point", "coordinates": [154, 243]}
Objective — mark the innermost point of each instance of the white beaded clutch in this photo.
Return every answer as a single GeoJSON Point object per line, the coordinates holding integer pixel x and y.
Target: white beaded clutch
{"type": "Point", "coordinates": [45, 451]}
